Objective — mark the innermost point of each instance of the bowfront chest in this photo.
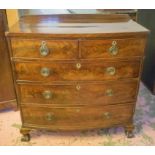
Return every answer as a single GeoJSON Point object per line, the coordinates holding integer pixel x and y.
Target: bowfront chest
{"type": "Point", "coordinates": [76, 72]}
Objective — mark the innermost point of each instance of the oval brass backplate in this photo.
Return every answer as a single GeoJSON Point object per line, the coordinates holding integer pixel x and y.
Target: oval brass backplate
{"type": "Point", "coordinates": [113, 50]}
{"type": "Point", "coordinates": [45, 71]}
{"type": "Point", "coordinates": [44, 51]}
{"type": "Point", "coordinates": [111, 70]}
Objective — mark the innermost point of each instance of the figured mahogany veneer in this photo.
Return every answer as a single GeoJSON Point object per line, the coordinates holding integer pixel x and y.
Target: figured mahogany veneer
{"type": "Point", "coordinates": [102, 93]}
{"type": "Point", "coordinates": [89, 70]}
{"type": "Point", "coordinates": [7, 92]}
{"type": "Point", "coordinates": [99, 48]}
{"type": "Point", "coordinates": [77, 72]}
{"type": "Point", "coordinates": [72, 118]}
{"type": "Point", "coordinates": [58, 49]}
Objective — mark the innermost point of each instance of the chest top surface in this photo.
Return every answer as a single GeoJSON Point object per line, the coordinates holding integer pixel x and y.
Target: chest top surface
{"type": "Point", "coordinates": [74, 25]}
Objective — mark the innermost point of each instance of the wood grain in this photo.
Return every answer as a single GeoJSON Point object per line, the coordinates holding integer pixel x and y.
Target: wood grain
{"type": "Point", "coordinates": [58, 49]}
{"type": "Point", "coordinates": [88, 93]}
{"type": "Point", "coordinates": [87, 87]}
{"type": "Point", "coordinates": [100, 48]}
{"type": "Point", "coordinates": [77, 26]}
{"type": "Point", "coordinates": [75, 118]}
{"type": "Point", "coordinates": [75, 18]}
{"type": "Point", "coordinates": [89, 70]}
{"type": "Point", "coordinates": [7, 92]}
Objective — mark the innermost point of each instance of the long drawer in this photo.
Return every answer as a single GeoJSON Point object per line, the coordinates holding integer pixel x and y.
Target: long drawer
{"type": "Point", "coordinates": [111, 48]}
{"type": "Point", "coordinates": [72, 118]}
{"type": "Point", "coordinates": [73, 71]}
{"type": "Point", "coordinates": [104, 93]}
{"type": "Point", "coordinates": [49, 49]}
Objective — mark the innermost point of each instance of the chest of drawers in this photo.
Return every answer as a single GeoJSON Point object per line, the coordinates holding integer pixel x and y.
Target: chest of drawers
{"type": "Point", "coordinates": [76, 72]}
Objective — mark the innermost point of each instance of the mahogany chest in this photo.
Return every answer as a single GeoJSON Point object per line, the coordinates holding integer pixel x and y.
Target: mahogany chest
{"type": "Point", "coordinates": [76, 72]}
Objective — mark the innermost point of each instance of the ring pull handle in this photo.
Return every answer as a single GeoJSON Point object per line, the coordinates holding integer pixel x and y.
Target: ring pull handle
{"type": "Point", "coordinates": [44, 51]}
{"type": "Point", "coordinates": [45, 71]}
{"type": "Point", "coordinates": [113, 50]}
{"type": "Point", "coordinates": [111, 70]}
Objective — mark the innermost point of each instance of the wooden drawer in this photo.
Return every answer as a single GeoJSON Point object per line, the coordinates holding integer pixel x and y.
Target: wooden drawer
{"type": "Point", "coordinates": [49, 49]}
{"type": "Point", "coordinates": [85, 70]}
{"type": "Point", "coordinates": [82, 93]}
{"type": "Point", "coordinates": [111, 48]}
{"type": "Point", "coordinates": [72, 118]}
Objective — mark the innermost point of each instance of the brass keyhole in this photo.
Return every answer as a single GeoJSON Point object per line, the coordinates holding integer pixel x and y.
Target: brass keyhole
{"type": "Point", "coordinates": [47, 94]}
{"type": "Point", "coordinates": [109, 92]}
{"type": "Point", "coordinates": [78, 65]}
{"type": "Point", "coordinates": [49, 117]}
{"type": "Point", "coordinates": [106, 115]}
{"type": "Point", "coordinates": [78, 87]}
{"type": "Point", "coordinates": [77, 110]}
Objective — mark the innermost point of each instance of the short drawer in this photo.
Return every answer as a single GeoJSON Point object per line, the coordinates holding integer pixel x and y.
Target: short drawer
{"type": "Point", "coordinates": [49, 49]}
{"type": "Point", "coordinates": [74, 118]}
{"type": "Point", "coordinates": [81, 71]}
{"type": "Point", "coordinates": [104, 93]}
{"type": "Point", "coordinates": [111, 48]}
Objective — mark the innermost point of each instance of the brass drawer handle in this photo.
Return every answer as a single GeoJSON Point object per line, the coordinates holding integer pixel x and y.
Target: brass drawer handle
{"type": "Point", "coordinates": [45, 71]}
{"type": "Point", "coordinates": [111, 70]}
{"type": "Point", "coordinates": [47, 94]}
{"type": "Point", "coordinates": [78, 65]}
{"type": "Point", "coordinates": [44, 51]}
{"type": "Point", "coordinates": [78, 87]}
{"type": "Point", "coordinates": [113, 50]}
{"type": "Point", "coordinates": [106, 115]}
{"type": "Point", "coordinates": [49, 117]}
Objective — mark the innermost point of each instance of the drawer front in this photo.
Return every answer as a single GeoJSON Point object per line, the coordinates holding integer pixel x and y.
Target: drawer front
{"type": "Point", "coordinates": [83, 71]}
{"type": "Point", "coordinates": [72, 118]}
{"type": "Point", "coordinates": [81, 93]}
{"type": "Point", "coordinates": [49, 49]}
{"type": "Point", "coordinates": [112, 48]}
